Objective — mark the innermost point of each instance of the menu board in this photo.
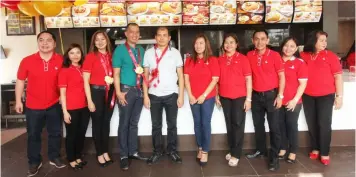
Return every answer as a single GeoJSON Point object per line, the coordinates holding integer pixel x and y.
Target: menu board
{"type": "Point", "coordinates": [223, 12]}
{"type": "Point", "coordinates": [279, 11]}
{"type": "Point", "coordinates": [86, 15]}
{"type": "Point", "coordinates": [195, 12]}
{"type": "Point", "coordinates": [307, 11]}
{"type": "Point", "coordinates": [113, 14]}
{"type": "Point", "coordinates": [155, 13]}
{"type": "Point", "coordinates": [249, 12]}
{"type": "Point", "coordinates": [17, 23]}
{"type": "Point", "coordinates": [63, 20]}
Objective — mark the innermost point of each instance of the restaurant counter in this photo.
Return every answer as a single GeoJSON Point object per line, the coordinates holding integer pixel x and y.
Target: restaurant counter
{"type": "Point", "coordinates": [343, 119]}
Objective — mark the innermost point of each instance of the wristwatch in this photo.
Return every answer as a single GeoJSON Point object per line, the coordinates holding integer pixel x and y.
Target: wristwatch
{"type": "Point", "coordinates": [280, 96]}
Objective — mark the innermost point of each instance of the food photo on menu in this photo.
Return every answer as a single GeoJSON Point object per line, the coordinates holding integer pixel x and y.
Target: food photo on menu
{"type": "Point", "coordinates": [63, 20]}
{"type": "Point", "coordinates": [113, 14]}
{"type": "Point", "coordinates": [250, 12]}
{"type": "Point", "coordinates": [307, 11]}
{"type": "Point", "coordinates": [155, 13]}
{"type": "Point", "coordinates": [86, 15]}
{"type": "Point", "coordinates": [196, 12]}
{"type": "Point", "coordinates": [279, 11]}
{"type": "Point", "coordinates": [223, 12]}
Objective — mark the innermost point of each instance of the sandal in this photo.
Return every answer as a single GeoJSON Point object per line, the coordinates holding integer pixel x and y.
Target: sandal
{"type": "Point", "coordinates": [228, 156]}
{"type": "Point", "coordinates": [233, 162]}
{"type": "Point", "coordinates": [199, 154]}
{"type": "Point", "coordinates": [204, 161]}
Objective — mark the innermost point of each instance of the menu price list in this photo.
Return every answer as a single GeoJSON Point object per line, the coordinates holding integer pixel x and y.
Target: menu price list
{"type": "Point", "coordinates": [64, 20]}
{"type": "Point", "coordinates": [195, 12]}
{"type": "Point", "coordinates": [306, 11]}
{"type": "Point", "coordinates": [86, 15]}
{"type": "Point", "coordinates": [19, 23]}
{"type": "Point", "coordinates": [223, 12]}
{"type": "Point", "coordinates": [250, 12]}
{"type": "Point", "coordinates": [155, 13]}
{"type": "Point", "coordinates": [279, 11]}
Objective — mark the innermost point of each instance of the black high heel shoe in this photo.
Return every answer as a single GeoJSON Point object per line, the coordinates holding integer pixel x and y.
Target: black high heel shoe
{"type": "Point", "coordinates": [109, 161]}
{"type": "Point", "coordinates": [82, 163]}
{"type": "Point", "coordinates": [281, 157]}
{"type": "Point", "coordinates": [76, 167]}
{"type": "Point", "coordinates": [203, 163]}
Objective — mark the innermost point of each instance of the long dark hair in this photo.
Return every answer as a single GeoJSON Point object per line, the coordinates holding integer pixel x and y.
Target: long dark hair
{"type": "Point", "coordinates": [284, 42]}
{"type": "Point", "coordinates": [94, 49]}
{"type": "Point", "coordinates": [312, 40]}
{"type": "Point", "coordinates": [207, 52]}
{"type": "Point", "coordinates": [234, 37]}
{"type": "Point", "coordinates": [66, 60]}
{"type": "Point", "coordinates": [352, 49]}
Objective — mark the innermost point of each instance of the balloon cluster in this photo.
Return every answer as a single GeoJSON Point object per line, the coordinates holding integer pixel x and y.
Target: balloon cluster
{"type": "Point", "coordinates": [41, 7]}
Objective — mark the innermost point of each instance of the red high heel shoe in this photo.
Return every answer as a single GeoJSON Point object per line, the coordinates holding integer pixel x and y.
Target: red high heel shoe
{"type": "Point", "coordinates": [313, 156]}
{"type": "Point", "coordinates": [325, 161]}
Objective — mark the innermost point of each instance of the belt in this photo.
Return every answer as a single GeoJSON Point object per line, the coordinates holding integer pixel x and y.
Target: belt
{"type": "Point", "coordinates": [129, 86]}
{"type": "Point", "coordinates": [98, 87]}
{"type": "Point", "coordinates": [265, 92]}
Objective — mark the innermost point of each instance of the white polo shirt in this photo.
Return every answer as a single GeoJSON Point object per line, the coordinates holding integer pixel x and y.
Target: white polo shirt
{"type": "Point", "coordinates": [167, 70]}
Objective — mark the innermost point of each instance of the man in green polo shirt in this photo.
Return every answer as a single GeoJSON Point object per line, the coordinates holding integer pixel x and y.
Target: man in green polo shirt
{"type": "Point", "coordinates": [128, 72]}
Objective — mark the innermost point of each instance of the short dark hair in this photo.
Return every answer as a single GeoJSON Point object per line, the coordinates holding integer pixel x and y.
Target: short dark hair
{"type": "Point", "coordinates": [284, 42]}
{"type": "Point", "coordinates": [131, 24]}
{"type": "Point", "coordinates": [259, 31]}
{"type": "Point", "coordinates": [66, 60]}
{"type": "Point", "coordinates": [313, 39]}
{"type": "Point", "coordinates": [48, 32]}
{"type": "Point", "coordinates": [163, 28]}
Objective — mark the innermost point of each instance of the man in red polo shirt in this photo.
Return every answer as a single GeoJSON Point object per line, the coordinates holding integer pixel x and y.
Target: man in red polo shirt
{"type": "Point", "coordinates": [268, 82]}
{"type": "Point", "coordinates": [41, 71]}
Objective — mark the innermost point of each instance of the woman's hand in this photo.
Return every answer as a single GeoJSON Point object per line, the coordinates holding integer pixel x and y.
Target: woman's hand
{"type": "Point", "coordinates": [67, 117]}
{"type": "Point", "coordinates": [91, 106]}
{"type": "Point", "coordinates": [192, 100]}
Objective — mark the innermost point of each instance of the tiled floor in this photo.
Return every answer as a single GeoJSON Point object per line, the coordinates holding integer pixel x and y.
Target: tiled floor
{"type": "Point", "coordinates": [10, 134]}
{"type": "Point", "coordinates": [14, 164]}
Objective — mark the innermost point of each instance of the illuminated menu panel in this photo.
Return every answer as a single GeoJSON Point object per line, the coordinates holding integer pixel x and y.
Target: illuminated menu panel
{"type": "Point", "coordinates": [86, 15]}
{"type": "Point", "coordinates": [223, 12]}
{"type": "Point", "coordinates": [145, 13]}
{"type": "Point", "coordinates": [306, 11]}
{"type": "Point", "coordinates": [279, 11]}
{"type": "Point", "coordinates": [196, 12]}
{"type": "Point", "coordinates": [250, 12]}
{"type": "Point", "coordinates": [63, 20]}
{"type": "Point", "coordinates": [113, 14]}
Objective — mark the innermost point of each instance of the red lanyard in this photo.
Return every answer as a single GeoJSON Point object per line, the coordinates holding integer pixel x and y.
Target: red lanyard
{"type": "Point", "coordinates": [155, 71]}
{"type": "Point", "coordinates": [104, 60]}
{"type": "Point", "coordinates": [138, 78]}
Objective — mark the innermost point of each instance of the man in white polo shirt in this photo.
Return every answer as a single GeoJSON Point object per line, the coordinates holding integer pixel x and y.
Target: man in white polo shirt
{"type": "Point", "coordinates": [162, 92]}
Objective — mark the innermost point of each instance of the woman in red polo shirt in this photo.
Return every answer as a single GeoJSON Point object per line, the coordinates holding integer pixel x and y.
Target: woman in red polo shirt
{"type": "Point", "coordinates": [74, 104]}
{"type": "Point", "coordinates": [235, 89]}
{"type": "Point", "coordinates": [296, 73]}
{"type": "Point", "coordinates": [201, 73]}
{"type": "Point", "coordinates": [98, 73]}
{"type": "Point", "coordinates": [324, 90]}
{"type": "Point", "coordinates": [350, 58]}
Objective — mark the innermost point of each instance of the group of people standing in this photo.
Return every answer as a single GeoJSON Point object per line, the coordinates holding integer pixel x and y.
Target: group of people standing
{"type": "Point", "coordinates": [265, 81]}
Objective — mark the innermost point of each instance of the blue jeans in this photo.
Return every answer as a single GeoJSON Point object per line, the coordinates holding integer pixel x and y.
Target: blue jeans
{"type": "Point", "coordinates": [36, 119]}
{"type": "Point", "coordinates": [128, 121]}
{"type": "Point", "coordinates": [202, 118]}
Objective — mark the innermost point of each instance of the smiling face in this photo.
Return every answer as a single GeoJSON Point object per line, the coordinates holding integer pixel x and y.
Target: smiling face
{"type": "Point", "coordinates": [100, 41]}
{"type": "Point", "coordinates": [200, 46]}
{"type": "Point", "coordinates": [260, 40]}
{"type": "Point", "coordinates": [46, 43]}
{"type": "Point", "coordinates": [289, 48]}
{"type": "Point", "coordinates": [132, 34]}
{"type": "Point", "coordinates": [162, 37]}
{"type": "Point", "coordinates": [321, 42]}
{"type": "Point", "coordinates": [75, 55]}
{"type": "Point", "coordinates": [230, 45]}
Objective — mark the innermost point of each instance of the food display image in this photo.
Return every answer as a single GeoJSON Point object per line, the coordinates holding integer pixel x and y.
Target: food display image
{"type": "Point", "coordinates": [113, 14]}
{"type": "Point", "coordinates": [279, 11]}
{"type": "Point", "coordinates": [307, 11]}
{"type": "Point", "coordinates": [155, 13]}
{"type": "Point", "coordinates": [250, 12]}
{"type": "Point", "coordinates": [86, 15]}
{"type": "Point", "coordinates": [63, 20]}
{"type": "Point", "coordinates": [196, 12]}
{"type": "Point", "coordinates": [223, 12]}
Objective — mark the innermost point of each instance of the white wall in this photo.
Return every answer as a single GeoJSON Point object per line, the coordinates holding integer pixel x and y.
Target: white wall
{"type": "Point", "coordinates": [16, 48]}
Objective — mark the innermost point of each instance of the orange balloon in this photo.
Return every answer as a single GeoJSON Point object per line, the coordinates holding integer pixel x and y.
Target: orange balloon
{"type": "Point", "coordinates": [27, 8]}
{"type": "Point", "coordinates": [48, 8]}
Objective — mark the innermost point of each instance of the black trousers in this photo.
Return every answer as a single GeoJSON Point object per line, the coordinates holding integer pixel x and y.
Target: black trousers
{"type": "Point", "coordinates": [101, 118]}
{"type": "Point", "coordinates": [235, 117]}
{"type": "Point", "coordinates": [288, 123]}
{"type": "Point", "coordinates": [76, 133]}
{"type": "Point", "coordinates": [262, 102]}
{"type": "Point", "coordinates": [169, 104]}
{"type": "Point", "coordinates": [318, 114]}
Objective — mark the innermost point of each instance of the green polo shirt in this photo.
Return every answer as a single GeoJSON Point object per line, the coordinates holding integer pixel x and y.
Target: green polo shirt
{"type": "Point", "coordinates": [121, 59]}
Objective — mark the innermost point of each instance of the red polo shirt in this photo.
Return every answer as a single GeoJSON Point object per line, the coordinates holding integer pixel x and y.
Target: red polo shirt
{"type": "Point", "coordinates": [295, 70]}
{"type": "Point", "coordinates": [265, 69]}
{"type": "Point", "coordinates": [351, 60]}
{"type": "Point", "coordinates": [321, 71]}
{"type": "Point", "coordinates": [72, 79]}
{"type": "Point", "coordinates": [42, 91]}
{"type": "Point", "coordinates": [233, 70]}
{"type": "Point", "coordinates": [200, 75]}
{"type": "Point", "coordinates": [92, 64]}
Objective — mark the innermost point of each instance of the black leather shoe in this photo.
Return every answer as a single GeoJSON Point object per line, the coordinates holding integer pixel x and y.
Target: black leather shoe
{"type": "Point", "coordinates": [290, 160]}
{"type": "Point", "coordinates": [137, 156]}
{"type": "Point", "coordinates": [76, 167]}
{"type": "Point", "coordinates": [273, 165]}
{"type": "Point", "coordinates": [154, 158]}
{"type": "Point", "coordinates": [124, 164]}
{"type": "Point", "coordinates": [281, 157]}
{"type": "Point", "coordinates": [102, 164]}
{"type": "Point", "coordinates": [255, 155]}
{"type": "Point", "coordinates": [82, 163]}
{"type": "Point", "coordinates": [175, 157]}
